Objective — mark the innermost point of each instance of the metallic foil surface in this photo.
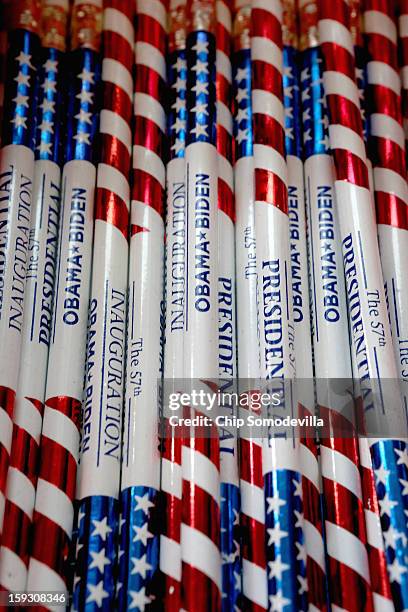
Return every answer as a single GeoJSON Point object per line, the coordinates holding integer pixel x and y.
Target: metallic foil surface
{"type": "Point", "coordinates": [177, 109]}
{"type": "Point", "coordinates": [243, 131]}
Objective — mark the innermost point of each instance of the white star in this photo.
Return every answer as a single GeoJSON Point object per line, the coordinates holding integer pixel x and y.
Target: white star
{"type": "Point", "coordinates": [200, 88]}
{"type": "Point", "coordinates": [288, 91]}
{"type": "Point", "coordinates": [101, 528]}
{"type": "Point", "coordinates": [299, 519]}
{"type": "Point", "coordinates": [96, 594]}
{"type": "Point", "coordinates": [387, 505]}
{"type": "Point", "coordinates": [47, 106]}
{"type": "Point", "coordinates": [288, 112]}
{"type": "Point", "coordinates": [237, 578]}
{"type": "Point", "coordinates": [325, 142]}
{"type": "Point", "coordinates": [78, 546]}
{"type": "Point", "coordinates": [82, 137]}
{"type": "Point", "coordinates": [46, 126]}
{"type": "Point", "coordinates": [325, 122]}
{"type": "Point", "coordinates": [287, 71]}
{"type": "Point", "coordinates": [242, 94]}
{"type": "Point", "coordinates": [306, 94]}
{"type": "Point", "coordinates": [87, 76]}
{"type": "Point", "coordinates": [24, 59]}
{"type": "Point", "coordinates": [51, 65]}
{"type": "Point", "coordinates": [142, 534]}
{"type": "Point", "coordinates": [277, 568]}
{"type": "Point", "coordinates": [200, 130]}
{"type": "Point", "coordinates": [298, 487]}
{"type": "Point", "coordinates": [301, 556]}
{"type": "Point", "coordinates": [181, 64]}
{"type": "Point", "coordinates": [359, 73]}
{"type": "Point", "coordinates": [306, 115]}
{"type": "Point", "coordinates": [44, 147]}
{"type": "Point", "coordinates": [180, 124]}
{"type": "Point", "coordinates": [180, 84]}
{"type": "Point", "coordinates": [77, 579]}
{"type": "Point", "coordinates": [395, 571]}
{"type": "Point", "coordinates": [305, 74]}
{"type": "Point", "coordinates": [242, 135]}
{"type": "Point", "coordinates": [307, 136]}
{"type": "Point", "coordinates": [84, 117]}
{"type": "Point", "coordinates": [81, 515]}
{"type": "Point", "coordinates": [381, 474]}
{"type": "Point", "coordinates": [303, 588]}
{"type": "Point", "coordinates": [21, 100]}
{"type": "Point", "coordinates": [278, 602]}
{"type": "Point", "coordinates": [275, 535]}
{"type": "Point", "coordinates": [316, 82]}
{"type": "Point", "coordinates": [405, 486]}
{"type": "Point", "coordinates": [200, 67]}
{"type": "Point", "coordinates": [289, 133]}
{"type": "Point", "coordinates": [391, 536]}
{"type": "Point", "coordinates": [19, 121]}
{"type": "Point", "coordinates": [242, 115]}
{"type": "Point", "coordinates": [49, 85]}
{"type": "Point", "coordinates": [201, 46]}
{"type": "Point", "coordinates": [179, 105]}
{"type": "Point", "coordinates": [200, 107]}
{"type": "Point", "coordinates": [140, 566]}
{"type": "Point", "coordinates": [85, 96]}
{"type": "Point", "coordinates": [139, 599]}
{"type": "Point", "coordinates": [403, 456]}
{"type": "Point", "coordinates": [242, 74]}
{"type": "Point", "coordinates": [99, 560]}
{"type": "Point", "coordinates": [143, 503]}
{"type": "Point", "coordinates": [274, 503]}
{"type": "Point", "coordinates": [23, 79]}
{"type": "Point", "coordinates": [178, 146]}
{"type": "Point", "coordinates": [236, 517]}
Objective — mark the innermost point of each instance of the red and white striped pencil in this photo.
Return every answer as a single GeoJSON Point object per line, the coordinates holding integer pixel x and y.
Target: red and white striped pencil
{"type": "Point", "coordinates": [403, 37]}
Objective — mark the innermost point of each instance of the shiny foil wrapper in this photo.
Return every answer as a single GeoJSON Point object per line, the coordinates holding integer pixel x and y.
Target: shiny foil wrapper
{"type": "Point", "coordinates": [201, 16]}
{"type": "Point", "coordinates": [308, 24]}
{"type": "Point", "coordinates": [177, 28]}
{"type": "Point", "coordinates": [54, 21]}
{"type": "Point", "coordinates": [25, 14]}
{"type": "Point", "coordinates": [86, 26]}
{"type": "Point", "coordinates": [289, 25]}
{"type": "Point", "coordinates": [242, 28]}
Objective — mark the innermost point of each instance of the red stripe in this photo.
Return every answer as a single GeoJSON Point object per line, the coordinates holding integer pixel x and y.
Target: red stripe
{"type": "Point", "coordinates": [348, 590]}
{"type": "Point", "coordinates": [137, 229]}
{"type": "Point", "coordinates": [251, 464]}
{"type": "Point", "coordinates": [345, 113]}
{"type": "Point", "coordinates": [226, 201]}
{"type": "Point", "coordinates": [50, 544]}
{"type": "Point", "coordinates": [199, 593]}
{"type": "Point", "coordinates": [114, 153]}
{"type": "Point", "coordinates": [385, 101]}
{"type": "Point", "coordinates": [171, 594]}
{"type": "Point", "coordinates": [381, 49]}
{"type": "Point", "coordinates": [224, 142]}
{"type": "Point", "coordinates": [109, 207]}
{"type": "Point", "coordinates": [391, 210]}
{"type": "Point", "coordinates": [267, 77]}
{"type": "Point", "coordinates": [150, 31]}
{"type": "Point", "coordinates": [316, 579]}
{"type": "Point", "coordinates": [200, 511]}
{"type": "Point", "coordinates": [388, 154]}
{"type": "Point", "coordinates": [270, 188]}
{"type": "Point", "coordinates": [124, 6]}
{"type": "Point", "coordinates": [404, 50]}
{"type": "Point", "coordinates": [350, 168]}
{"type": "Point", "coordinates": [7, 397]}
{"type": "Point", "coordinates": [311, 503]}
{"type": "Point", "coordinates": [16, 531]}
{"type": "Point", "coordinates": [171, 445]}
{"type": "Point", "coordinates": [335, 10]}
{"type": "Point", "coordinates": [223, 89]}
{"type": "Point", "coordinates": [223, 39]}
{"type": "Point", "coordinates": [379, 576]}
{"type": "Point", "coordinates": [251, 606]}
{"type": "Point", "coordinates": [118, 48]}
{"type": "Point", "coordinates": [149, 82]}
{"type": "Point", "coordinates": [171, 526]}
{"type": "Point", "coordinates": [339, 59]}
{"type": "Point", "coordinates": [343, 508]}
{"type": "Point", "coordinates": [204, 440]}
{"type": "Point", "coordinates": [266, 25]}
{"type": "Point", "coordinates": [4, 463]}
{"type": "Point", "coordinates": [24, 454]}
{"type": "Point", "coordinates": [117, 100]}
{"type": "Point", "coordinates": [269, 132]}
{"type": "Point", "coordinates": [148, 190]}
{"type": "Point", "coordinates": [58, 466]}
{"type": "Point", "coordinates": [253, 541]}
{"type": "Point", "coordinates": [72, 408]}
{"type": "Point", "coordinates": [149, 135]}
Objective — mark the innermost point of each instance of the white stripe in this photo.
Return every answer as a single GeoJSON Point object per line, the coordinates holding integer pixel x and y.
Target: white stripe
{"type": "Point", "coordinates": [382, 604]}
{"type": "Point", "coordinates": [283, 456]}
{"type": "Point", "coordinates": [337, 467]}
{"type": "Point", "coordinates": [254, 583]}
{"type": "Point", "coordinates": [314, 544]}
{"type": "Point", "coordinates": [376, 22]}
{"type": "Point", "coordinates": [404, 77]}
{"type": "Point", "coordinates": [373, 528]}
{"type": "Point", "coordinates": [176, 3]}
{"type": "Point", "coordinates": [144, 159]}
{"type": "Point", "coordinates": [20, 491]}
{"type": "Point", "coordinates": [200, 552]}
{"type": "Point", "coordinates": [43, 578]}
{"type": "Point", "coordinates": [252, 501]}
{"type": "Point", "coordinates": [309, 465]}
{"type": "Point", "coordinates": [6, 430]}
{"type": "Point", "coordinates": [28, 417]}
{"type": "Point", "coordinates": [347, 549]}
{"type": "Point", "coordinates": [201, 471]}
{"type": "Point", "coordinates": [151, 57]}
{"type": "Point", "coordinates": [223, 64]}
{"type": "Point", "coordinates": [97, 3]}
{"type": "Point", "coordinates": [331, 31]}
{"type": "Point", "coordinates": [148, 107]}
{"type": "Point", "coordinates": [170, 557]}
{"type": "Point", "coordinates": [113, 124]}
{"type": "Point", "coordinates": [379, 73]}
{"type": "Point", "coordinates": [365, 457]}
{"type": "Point", "coordinates": [267, 103]}
{"type": "Point", "coordinates": [61, 429]}
{"type": "Point", "coordinates": [338, 609]}
{"type": "Point", "coordinates": [272, 6]}
{"type": "Point", "coordinates": [64, 4]}
{"type": "Point", "coordinates": [265, 50]}
{"type": "Point", "coordinates": [116, 21]}
{"type": "Point", "coordinates": [345, 138]}
{"type": "Point", "coordinates": [110, 178]}
{"type": "Point", "coordinates": [13, 571]}
{"type": "Point", "coordinates": [385, 126]}
{"type": "Point", "coordinates": [55, 505]}
{"type": "Point", "coordinates": [172, 478]}
{"type": "Point", "coordinates": [269, 159]}
{"type": "Point", "coordinates": [224, 117]}
{"type": "Point", "coordinates": [391, 182]}
{"type": "Point", "coordinates": [223, 15]}
{"type": "Point", "coordinates": [225, 171]}
{"type": "Point", "coordinates": [115, 72]}
{"type": "Point", "coordinates": [154, 8]}
{"type": "Point", "coordinates": [403, 25]}
{"type": "Point", "coordinates": [336, 83]}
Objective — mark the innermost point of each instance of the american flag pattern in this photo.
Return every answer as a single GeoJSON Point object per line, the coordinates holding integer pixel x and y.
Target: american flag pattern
{"type": "Point", "coordinates": [22, 475]}
{"type": "Point", "coordinates": [59, 445]}
{"type": "Point", "coordinates": [139, 541]}
{"type": "Point", "coordinates": [109, 286]}
{"type": "Point", "coordinates": [403, 37]}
